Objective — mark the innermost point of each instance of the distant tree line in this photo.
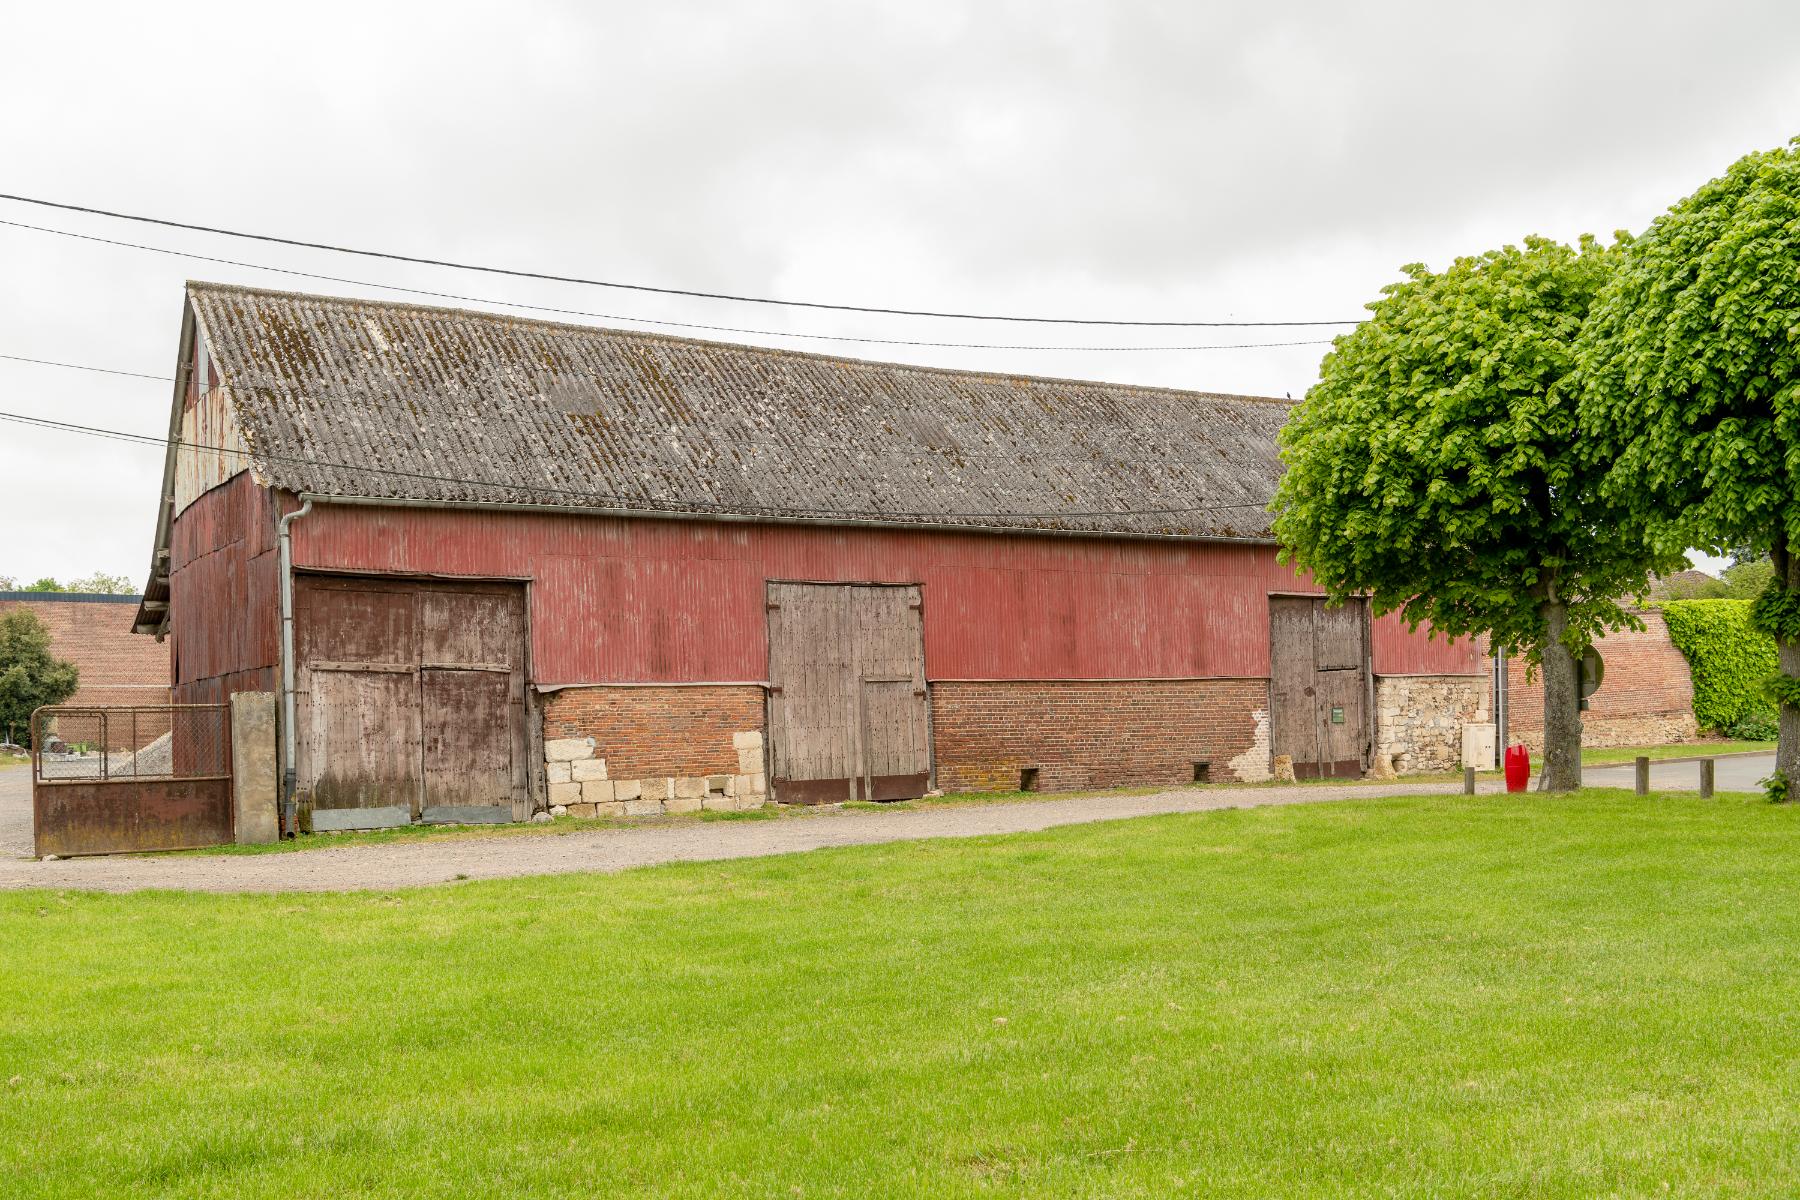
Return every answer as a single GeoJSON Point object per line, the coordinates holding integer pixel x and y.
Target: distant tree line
{"type": "Point", "coordinates": [99, 582]}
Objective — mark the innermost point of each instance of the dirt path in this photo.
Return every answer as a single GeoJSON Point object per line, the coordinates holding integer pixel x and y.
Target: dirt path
{"type": "Point", "coordinates": [412, 864]}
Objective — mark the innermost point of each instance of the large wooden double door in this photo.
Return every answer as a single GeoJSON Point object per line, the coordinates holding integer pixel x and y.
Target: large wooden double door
{"type": "Point", "coordinates": [849, 717]}
{"type": "Point", "coordinates": [1319, 685]}
{"type": "Point", "coordinates": [410, 701]}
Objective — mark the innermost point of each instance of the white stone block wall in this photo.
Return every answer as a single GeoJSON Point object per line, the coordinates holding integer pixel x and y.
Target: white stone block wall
{"type": "Point", "coordinates": [1419, 719]}
{"type": "Point", "coordinates": [581, 786]}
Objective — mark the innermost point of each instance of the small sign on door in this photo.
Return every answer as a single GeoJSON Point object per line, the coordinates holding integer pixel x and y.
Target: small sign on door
{"type": "Point", "coordinates": [1337, 714]}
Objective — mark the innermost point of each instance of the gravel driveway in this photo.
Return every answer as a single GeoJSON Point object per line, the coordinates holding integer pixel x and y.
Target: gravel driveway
{"type": "Point", "coordinates": [412, 864]}
{"type": "Point", "coordinates": [15, 812]}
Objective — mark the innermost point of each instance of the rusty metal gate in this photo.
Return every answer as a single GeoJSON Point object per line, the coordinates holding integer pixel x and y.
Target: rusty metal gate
{"type": "Point", "coordinates": [849, 717]}
{"type": "Point", "coordinates": [1319, 683]}
{"type": "Point", "coordinates": [118, 779]}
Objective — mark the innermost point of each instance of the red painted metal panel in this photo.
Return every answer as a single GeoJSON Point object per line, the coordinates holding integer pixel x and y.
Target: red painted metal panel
{"type": "Point", "coordinates": [618, 600]}
{"type": "Point", "coordinates": [223, 581]}
{"type": "Point", "coordinates": [1400, 651]}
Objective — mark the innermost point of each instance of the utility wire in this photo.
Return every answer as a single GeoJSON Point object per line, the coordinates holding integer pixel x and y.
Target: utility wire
{"type": "Point", "coordinates": [600, 316]}
{"type": "Point", "coordinates": [660, 435]}
{"type": "Point", "coordinates": [641, 504]}
{"type": "Point", "coordinates": [644, 287]}
{"type": "Point", "coordinates": [50, 362]}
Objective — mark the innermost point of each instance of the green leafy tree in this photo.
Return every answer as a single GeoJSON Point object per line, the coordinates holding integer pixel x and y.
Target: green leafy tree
{"type": "Point", "coordinates": [1433, 468]}
{"type": "Point", "coordinates": [46, 584]}
{"type": "Point", "coordinates": [1691, 390]}
{"type": "Point", "coordinates": [30, 675]}
{"type": "Point", "coordinates": [1747, 579]}
{"type": "Point", "coordinates": [101, 582]}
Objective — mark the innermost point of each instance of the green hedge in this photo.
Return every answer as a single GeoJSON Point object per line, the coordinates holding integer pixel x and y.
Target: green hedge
{"type": "Point", "coordinates": [1732, 662]}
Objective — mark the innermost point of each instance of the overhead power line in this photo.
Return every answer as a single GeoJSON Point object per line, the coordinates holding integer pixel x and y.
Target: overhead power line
{"type": "Point", "coordinates": [632, 503]}
{"type": "Point", "coordinates": [691, 293]}
{"type": "Point", "coordinates": [600, 316]}
{"type": "Point", "coordinates": [50, 362]}
{"type": "Point", "coordinates": [712, 441]}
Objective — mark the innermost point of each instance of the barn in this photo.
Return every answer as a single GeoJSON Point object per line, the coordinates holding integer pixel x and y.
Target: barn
{"type": "Point", "coordinates": [491, 565]}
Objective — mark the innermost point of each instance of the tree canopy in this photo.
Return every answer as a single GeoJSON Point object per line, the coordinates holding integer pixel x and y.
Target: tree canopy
{"type": "Point", "coordinates": [30, 675]}
{"type": "Point", "coordinates": [1434, 467]}
{"type": "Point", "coordinates": [1691, 387]}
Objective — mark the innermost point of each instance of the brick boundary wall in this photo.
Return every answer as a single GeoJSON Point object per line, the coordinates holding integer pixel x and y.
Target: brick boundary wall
{"type": "Point", "coordinates": [94, 632]}
{"type": "Point", "coordinates": [1647, 698]}
{"type": "Point", "coordinates": [1091, 734]}
{"type": "Point", "coordinates": [644, 732]}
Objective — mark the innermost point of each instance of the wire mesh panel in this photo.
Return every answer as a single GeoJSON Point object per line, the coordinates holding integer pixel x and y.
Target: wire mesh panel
{"type": "Point", "coordinates": [120, 778]}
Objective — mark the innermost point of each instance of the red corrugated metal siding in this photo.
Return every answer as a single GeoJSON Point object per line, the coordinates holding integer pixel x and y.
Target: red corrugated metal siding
{"type": "Point", "coordinates": [617, 600]}
{"type": "Point", "coordinates": [225, 608]}
{"type": "Point", "coordinates": [1399, 651]}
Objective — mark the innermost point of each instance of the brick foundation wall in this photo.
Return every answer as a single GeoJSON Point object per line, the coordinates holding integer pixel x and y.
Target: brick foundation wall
{"type": "Point", "coordinates": [1647, 698]}
{"type": "Point", "coordinates": [1098, 734]}
{"type": "Point", "coordinates": [645, 732]}
{"type": "Point", "coordinates": [1419, 719]}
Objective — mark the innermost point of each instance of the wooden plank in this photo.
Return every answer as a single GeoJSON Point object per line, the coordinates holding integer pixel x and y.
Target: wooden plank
{"type": "Point", "coordinates": [1293, 726]}
{"type": "Point", "coordinates": [847, 700]}
{"type": "Point", "coordinates": [362, 740]}
{"type": "Point", "coordinates": [467, 743]}
{"type": "Point", "coordinates": [1338, 636]}
{"type": "Point", "coordinates": [369, 706]}
{"type": "Point", "coordinates": [1341, 736]}
{"type": "Point", "coordinates": [472, 697]}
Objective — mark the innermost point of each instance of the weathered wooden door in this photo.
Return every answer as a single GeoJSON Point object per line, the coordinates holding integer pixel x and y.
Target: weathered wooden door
{"type": "Point", "coordinates": [849, 717]}
{"type": "Point", "coordinates": [472, 697]}
{"type": "Point", "coordinates": [1318, 667]}
{"type": "Point", "coordinates": [410, 701]}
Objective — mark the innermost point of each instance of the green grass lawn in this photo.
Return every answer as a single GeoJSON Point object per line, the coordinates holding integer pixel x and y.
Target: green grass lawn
{"type": "Point", "coordinates": [1431, 996]}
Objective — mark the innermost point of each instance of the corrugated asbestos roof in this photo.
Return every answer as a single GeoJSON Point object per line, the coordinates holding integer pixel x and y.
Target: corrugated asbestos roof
{"type": "Point", "coordinates": [360, 398]}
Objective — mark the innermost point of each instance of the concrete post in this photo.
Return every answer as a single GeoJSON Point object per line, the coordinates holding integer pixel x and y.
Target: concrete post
{"type": "Point", "coordinates": [1706, 778]}
{"type": "Point", "coordinates": [253, 778]}
{"type": "Point", "coordinates": [1643, 775]}
{"type": "Point", "coordinates": [1468, 781]}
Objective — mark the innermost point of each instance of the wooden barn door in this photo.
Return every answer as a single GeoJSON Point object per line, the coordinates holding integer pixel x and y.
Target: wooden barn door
{"type": "Point", "coordinates": [1318, 668]}
{"type": "Point", "coordinates": [410, 701]}
{"type": "Point", "coordinates": [848, 713]}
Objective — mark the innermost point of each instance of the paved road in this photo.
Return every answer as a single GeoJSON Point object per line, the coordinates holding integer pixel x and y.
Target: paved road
{"type": "Point", "coordinates": [15, 812]}
{"type": "Point", "coordinates": [411, 864]}
{"type": "Point", "coordinates": [1733, 775]}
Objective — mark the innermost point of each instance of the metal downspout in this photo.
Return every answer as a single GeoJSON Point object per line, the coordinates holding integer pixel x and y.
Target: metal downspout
{"type": "Point", "coordinates": [289, 775]}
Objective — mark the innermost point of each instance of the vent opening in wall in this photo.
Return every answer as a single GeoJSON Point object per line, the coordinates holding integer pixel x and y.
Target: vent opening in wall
{"type": "Point", "coordinates": [1202, 772]}
{"type": "Point", "coordinates": [1028, 779]}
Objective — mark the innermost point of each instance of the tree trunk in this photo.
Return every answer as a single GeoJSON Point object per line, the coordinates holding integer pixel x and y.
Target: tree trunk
{"type": "Point", "coordinates": [1562, 704]}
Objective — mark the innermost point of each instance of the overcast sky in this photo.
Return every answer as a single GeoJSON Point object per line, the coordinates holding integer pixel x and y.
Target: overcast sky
{"type": "Point", "coordinates": [1185, 161]}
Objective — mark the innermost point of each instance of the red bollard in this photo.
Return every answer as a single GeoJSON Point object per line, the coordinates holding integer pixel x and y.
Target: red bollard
{"type": "Point", "coordinates": [1518, 768]}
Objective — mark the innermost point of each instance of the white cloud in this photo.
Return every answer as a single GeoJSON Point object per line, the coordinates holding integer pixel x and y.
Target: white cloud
{"type": "Point", "coordinates": [1205, 160]}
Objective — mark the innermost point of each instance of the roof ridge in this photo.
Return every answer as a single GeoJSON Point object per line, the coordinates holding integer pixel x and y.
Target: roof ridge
{"type": "Point", "coordinates": [194, 285]}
